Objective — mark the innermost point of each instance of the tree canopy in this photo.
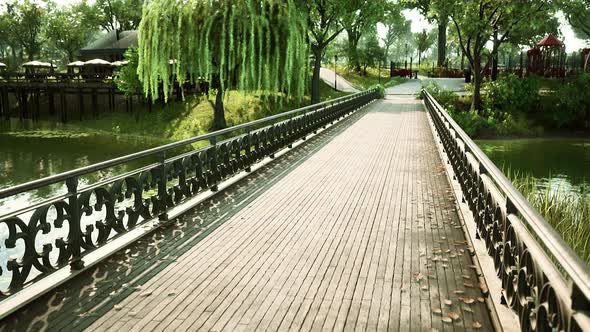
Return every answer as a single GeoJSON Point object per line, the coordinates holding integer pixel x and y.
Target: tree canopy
{"type": "Point", "coordinates": [246, 44]}
{"type": "Point", "coordinates": [68, 28]}
{"type": "Point", "coordinates": [578, 14]}
{"type": "Point", "coordinates": [323, 27]}
{"type": "Point", "coordinates": [359, 17]}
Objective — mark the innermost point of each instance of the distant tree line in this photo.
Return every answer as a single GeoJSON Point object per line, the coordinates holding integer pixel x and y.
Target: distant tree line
{"type": "Point", "coordinates": [45, 30]}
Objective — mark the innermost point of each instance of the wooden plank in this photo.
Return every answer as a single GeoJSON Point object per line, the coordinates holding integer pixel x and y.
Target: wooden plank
{"type": "Point", "coordinates": [339, 235]}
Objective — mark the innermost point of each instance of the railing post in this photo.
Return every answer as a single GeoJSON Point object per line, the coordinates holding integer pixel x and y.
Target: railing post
{"type": "Point", "coordinates": [304, 125]}
{"type": "Point", "coordinates": [290, 131]}
{"type": "Point", "coordinates": [213, 164]}
{"type": "Point", "coordinates": [75, 236]}
{"type": "Point", "coordinates": [248, 149]}
{"type": "Point", "coordinates": [162, 194]}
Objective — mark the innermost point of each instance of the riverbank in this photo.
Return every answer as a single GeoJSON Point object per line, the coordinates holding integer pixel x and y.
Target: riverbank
{"type": "Point", "coordinates": [552, 173]}
{"type": "Point", "coordinates": [514, 107]}
{"type": "Point", "coordinates": [167, 122]}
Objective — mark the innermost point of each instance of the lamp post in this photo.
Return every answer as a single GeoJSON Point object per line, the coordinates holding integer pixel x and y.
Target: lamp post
{"type": "Point", "coordinates": [335, 74]}
{"type": "Point", "coordinates": [379, 71]}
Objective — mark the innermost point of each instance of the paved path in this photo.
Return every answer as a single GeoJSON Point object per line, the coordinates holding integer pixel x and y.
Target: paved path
{"type": "Point", "coordinates": [327, 75]}
{"type": "Point", "coordinates": [409, 88]}
{"type": "Point", "coordinates": [355, 229]}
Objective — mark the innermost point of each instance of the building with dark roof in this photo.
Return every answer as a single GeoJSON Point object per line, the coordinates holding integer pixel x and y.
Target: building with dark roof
{"type": "Point", "coordinates": [110, 47]}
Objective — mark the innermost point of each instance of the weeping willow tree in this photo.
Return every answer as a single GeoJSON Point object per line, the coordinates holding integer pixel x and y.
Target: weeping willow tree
{"type": "Point", "coordinates": [248, 45]}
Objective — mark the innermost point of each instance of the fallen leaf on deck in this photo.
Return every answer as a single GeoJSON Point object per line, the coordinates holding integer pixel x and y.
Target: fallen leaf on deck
{"type": "Point", "coordinates": [454, 315]}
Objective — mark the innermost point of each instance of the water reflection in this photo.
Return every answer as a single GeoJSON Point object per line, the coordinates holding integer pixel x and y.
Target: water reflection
{"type": "Point", "coordinates": [557, 163]}
{"type": "Point", "coordinates": [30, 155]}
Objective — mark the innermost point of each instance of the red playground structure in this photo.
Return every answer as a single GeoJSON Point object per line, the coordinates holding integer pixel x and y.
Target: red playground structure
{"type": "Point", "coordinates": [547, 59]}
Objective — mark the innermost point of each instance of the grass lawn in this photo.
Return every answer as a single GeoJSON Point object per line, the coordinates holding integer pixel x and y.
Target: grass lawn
{"type": "Point", "coordinates": [371, 79]}
{"type": "Point", "coordinates": [180, 120]}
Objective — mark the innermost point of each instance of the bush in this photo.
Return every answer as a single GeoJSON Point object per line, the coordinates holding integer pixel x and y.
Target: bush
{"type": "Point", "coordinates": [570, 104]}
{"type": "Point", "coordinates": [503, 117]}
{"type": "Point", "coordinates": [512, 95]}
{"type": "Point", "coordinates": [444, 97]}
{"type": "Point", "coordinates": [380, 91]}
{"type": "Point", "coordinates": [126, 78]}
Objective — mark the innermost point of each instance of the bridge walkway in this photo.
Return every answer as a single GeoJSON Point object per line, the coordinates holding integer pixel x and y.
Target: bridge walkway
{"type": "Point", "coordinates": [356, 229]}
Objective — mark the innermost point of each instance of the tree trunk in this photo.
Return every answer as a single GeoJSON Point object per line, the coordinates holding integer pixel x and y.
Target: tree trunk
{"type": "Point", "coordinates": [495, 55]}
{"type": "Point", "coordinates": [353, 41]}
{"type": "Point", "coordinates": [315, 81]}
{"type": "Point", "coordinates": [219, 112]}
{"type": "Point", "coordinates": [477, 78]}
{"type": "Point", "coordinates": [462, 60]}
{"type": "Point", "coordinates": [442, 42]}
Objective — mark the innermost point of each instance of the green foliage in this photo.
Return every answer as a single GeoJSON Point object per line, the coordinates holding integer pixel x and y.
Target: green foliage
{"type": "Point", "coordinates": [323, 28]}
{"type": "Point", "coordinates": [68, 28]}
{"type": "Point", "coordinates": [127, 79]}
{"type": "Point", "coordinates": [444, 97]}
{"type": "Point", "coordinates": [490, 123]}
{"type": "Point", "coordinates": [480, 21]}
{"type": "Point", "coordinates": [578, 15]}
{"type": "Point", "coordinates": [370, 52]}
{"type": "Point", "coordinates": [397, 27]}
{"type": "Point", "coordinates": [569, 105]}
{"type": "Point", "coordinates": [380, 90]}
{"type": "Point", "coordinates": [116, 14]}
{"type": "Point", "coordinates": [513, 95]}
{"type": "Point", "coordinates": [358, 18]}
{"type": "Point", "coordinates": [424, 41]}
{"type": "Point", "coordinates": [246, 44]}
{"type": "Point", "coordinates": [24, 22]}
{"type": "Point", "coordinates": [566, 210]}
{"type": "Point", "coordinates": [370, 79]}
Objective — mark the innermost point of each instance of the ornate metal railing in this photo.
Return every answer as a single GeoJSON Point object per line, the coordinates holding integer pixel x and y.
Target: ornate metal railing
{"type": "Point", "coordinates": [544, 281]}
{"type": "Point", "coordinates": [86, 216]}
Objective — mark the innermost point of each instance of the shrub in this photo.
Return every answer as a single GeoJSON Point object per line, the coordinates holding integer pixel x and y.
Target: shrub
{"type": "Point", "coordinates": [512, 94]}
{"type": "Point", "coordinates": [380, 91]}
{"type": "Point", "coordinates": [570, 104]}
{"type": "Point", "coordinates": [444, 97]}
{"type": "Point", "coordinates": [126, 78]}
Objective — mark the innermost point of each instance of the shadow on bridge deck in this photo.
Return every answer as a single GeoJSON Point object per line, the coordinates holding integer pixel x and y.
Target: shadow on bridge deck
{"type": "Point", "coordinates": [354, 229]}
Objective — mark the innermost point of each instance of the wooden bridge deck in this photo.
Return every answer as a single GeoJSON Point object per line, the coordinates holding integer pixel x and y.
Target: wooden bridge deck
{"type": "Point", "coordinates": [356, 229]}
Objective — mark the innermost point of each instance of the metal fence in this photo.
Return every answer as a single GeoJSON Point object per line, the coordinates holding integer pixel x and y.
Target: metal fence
{"type": "Point", "coordinates": [544, 281]}
{"type": "Point", "coordinates": [47, 235]}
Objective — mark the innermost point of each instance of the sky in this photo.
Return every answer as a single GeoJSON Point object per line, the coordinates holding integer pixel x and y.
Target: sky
{"type": "Point", "coordinates": [419, 23]}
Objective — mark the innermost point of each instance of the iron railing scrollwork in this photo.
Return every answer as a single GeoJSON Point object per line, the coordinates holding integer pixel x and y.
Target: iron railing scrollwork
{"type": "Point", "coordinates": [61, 230]}
{"type": "Point", "coordinates": [544, 281]}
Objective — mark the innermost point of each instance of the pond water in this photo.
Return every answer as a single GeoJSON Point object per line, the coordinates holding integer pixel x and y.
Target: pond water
{"type": "Point", "coordinates": [32, 154]}
{"type": "Point", "coordinates": [557, 162]}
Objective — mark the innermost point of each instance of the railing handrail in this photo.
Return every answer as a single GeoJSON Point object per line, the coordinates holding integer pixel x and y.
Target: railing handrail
{"type": "Point", "coordinates": [46, 181]}
{"type": "Point", "coordinates": [574, 267]}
